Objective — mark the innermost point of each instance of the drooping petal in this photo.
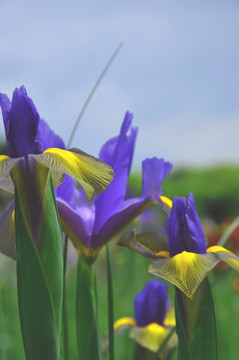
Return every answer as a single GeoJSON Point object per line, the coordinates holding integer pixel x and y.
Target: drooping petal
{"type": "Point", "coordinates": [150, 245]}
{"type": "Point", "coordinates": [225, 255]}
{"type": "Point", "coordinates": [6, 165]}
{"type": "Point", "coordinates": [74, 226]}
{"type": "Point", "coordinates": [185, 270]}
{"type": "Point", "coordinates": [118, 153]}
{"type": "Point", "coordinates": [124, 323]}
{"type": "Point", "coordinates": [21, 123]}
{"type": "Point", "coordinates": [151, 304]}
{"type": "Point", "coordinates": [92, 174]}
{"type": "Point", "coordinates": [150, 336]}
{"type": "Point", "coordinates": [131, 208]}
{"type": "Point", "coordinates": [7, 231]}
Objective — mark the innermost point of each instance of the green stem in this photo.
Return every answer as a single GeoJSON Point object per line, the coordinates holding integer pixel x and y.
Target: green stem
{"type": "Point", "coordinates": [110, 303]}
{"type": "Point", "coordinates": [87, 330]}
{"type": "Point", "coordinates": [64, 308]}
{"type": "Point", "coordinates": [2, 325]}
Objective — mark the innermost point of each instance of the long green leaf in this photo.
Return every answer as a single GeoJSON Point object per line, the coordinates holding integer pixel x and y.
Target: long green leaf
{"type": "Point", "coordinates": [50, 249]}
{"type": "Point", "coordinates": [36, 310]}
{"type": "Point", "coordinates": [110, 302]}
{"type": "Point", "coordinates": [86, 313]}
{"type": "Point", "coordinates": [196, 319]}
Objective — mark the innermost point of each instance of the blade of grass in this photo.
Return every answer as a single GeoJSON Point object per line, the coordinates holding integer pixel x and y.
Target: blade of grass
{"type": "Point", "coordinates": [92, 92]}
{"type": "Point", "coordinates": [110, 303]}
{"type": "Point", "coordinates": [228, 232]}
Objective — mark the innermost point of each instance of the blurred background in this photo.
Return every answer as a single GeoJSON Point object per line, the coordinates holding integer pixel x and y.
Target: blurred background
{"type": "Point", "coordinates": [178, 73]}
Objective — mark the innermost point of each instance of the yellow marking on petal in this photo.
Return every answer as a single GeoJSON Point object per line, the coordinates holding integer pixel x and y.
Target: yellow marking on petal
{"type": "Point", "coordinates": [169, 320]}
{"type": "Point", "coordinates": [6, 165]}
{"type": "Point", "coordinates": [225, 255]}
{"type": "Point", "coordinates": [165, 254]}
{"type": "Point", "coordinates": [166, 203]}
{"type": "Point", "coordinates": [185, 270]}
{"type": "Point", "coordinates": [124, 322]}
{"type": "Point", "coordinates": [150, 336]}
{"type": "Point", "coordinates": [93, 175]}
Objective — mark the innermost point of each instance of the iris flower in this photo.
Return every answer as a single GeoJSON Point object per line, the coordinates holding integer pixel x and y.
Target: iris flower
{"type": "Point", "coordinates": [91, 225]}
{"type": "Point", "coordinates": [30, 142]}
{"type": "Point", "coordinates": [154, 317]}
{"type": "Point", "coordinates": [182, 256]}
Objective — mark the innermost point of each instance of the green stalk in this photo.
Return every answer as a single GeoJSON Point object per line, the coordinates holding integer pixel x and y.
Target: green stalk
{"type": "Point", "coordinates": [110, 302]}
{"type": "Point", "coordinates": [64, 314]}
{"type": "Point", "coordinates": [2, 325]}
{"type": "Point", "coordinates": [88, 340]}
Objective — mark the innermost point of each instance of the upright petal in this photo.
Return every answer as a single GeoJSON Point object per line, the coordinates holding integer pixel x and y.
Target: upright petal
{"type": "Point", "coordinates": [118, 153]}
{"type": "Point", "coordinates": [151, 303]}
{"type": "Point", "coordinates": [185, 232]}
{"type": "Point", "coordinates": [46, 137]}
{"type": "Point", "coordinates": [21, 122]}
{"type": "Point", "coordinates": [154, 172]}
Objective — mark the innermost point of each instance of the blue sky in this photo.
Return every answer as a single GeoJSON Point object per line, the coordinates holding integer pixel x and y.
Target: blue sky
{"type": "Point", "coordinates": [177, 72]}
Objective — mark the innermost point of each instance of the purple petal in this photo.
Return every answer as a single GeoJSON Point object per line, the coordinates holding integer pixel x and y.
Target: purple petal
{"type": "Point", "coordinates": [118, 153]}
{"type": "Point", "coordinates": [47, 138]}
{"type": "Point", "coordinates": [183, 227]}
{"type": "Point", "coordinates": [75, 224]}
{"type": "Point", "coordinates": [21, 122]}
{"type": "Point", "coordinates": [154, 172]}
{"type": "Point", "coordinates": [151, 303]}
{"type": "Point", "coordinates": [66, 190]}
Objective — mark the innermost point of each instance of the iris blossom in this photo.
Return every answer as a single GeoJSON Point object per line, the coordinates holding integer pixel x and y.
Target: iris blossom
{"type": "Point", "coordinates": [91, 225]}
{"type": "Point", "coordinates": [154, 317]}
{"type": "Point", "coordinates": [31, 145]}
{"type": "Point", "coordinates": [183, 258]}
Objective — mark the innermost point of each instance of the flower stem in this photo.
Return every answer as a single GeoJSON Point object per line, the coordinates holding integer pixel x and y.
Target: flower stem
{"type": "Point", "coordinates": [110, 303]}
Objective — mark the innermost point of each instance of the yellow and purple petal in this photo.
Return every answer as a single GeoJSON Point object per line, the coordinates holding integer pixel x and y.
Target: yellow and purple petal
{"type": "Point", "coordinates": [92, 174]}
{"type": "Point", "coordinates": [186, 270]}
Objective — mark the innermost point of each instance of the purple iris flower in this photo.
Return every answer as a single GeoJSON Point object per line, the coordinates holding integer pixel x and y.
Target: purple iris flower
{"type": "Point", "coordinates": [151, 304]}
{"type": "Point", "coordinates": [183, 227]}
{"type": "Point", "coordinates": [91, 225]}
{"type": "Point", "coordinates": [30, 141]}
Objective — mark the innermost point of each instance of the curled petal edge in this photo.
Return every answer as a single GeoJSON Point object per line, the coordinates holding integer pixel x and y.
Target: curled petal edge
{"type": "Point", "coordinates": [92, 174]}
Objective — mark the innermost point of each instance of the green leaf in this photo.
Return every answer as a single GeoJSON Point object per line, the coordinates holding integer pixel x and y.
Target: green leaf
{"type": "Point", "coordinates": [36, 310]}
{"type": "Point", "coordinates": [86, 313]}
{"type": "Point", "coordinates": [110, 302]}
{"type": "Point", "coordinates": [50, 250]}
{"type": "Point", "coordinates": [196, 323]}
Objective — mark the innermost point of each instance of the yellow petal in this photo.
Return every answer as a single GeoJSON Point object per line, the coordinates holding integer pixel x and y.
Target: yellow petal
{"type": "Point", "coordinates": [166, 203]}
{"type": "Point", "coordinates": [225, 255]}
{"type": "Point", "coordinates": [7, 231]}
{"type": "Point", "coordinates": [150, 245]}
{"type": "Point", "coordinates": [93, 175]}
{"type": "Point", "coordinates": [150, 336]}
{"type": "Point", "coordinates": [185, 270]}
{"type": "Point", "coordinates": [6, 165]}
{"type": "Point", "coordinates": [169, 320]}
{"type": "Point", "coordinates": [124, 323]}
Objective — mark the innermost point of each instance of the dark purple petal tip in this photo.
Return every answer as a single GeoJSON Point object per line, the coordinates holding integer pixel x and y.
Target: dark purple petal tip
{"type": "Point", "coordinates": [151, 304]}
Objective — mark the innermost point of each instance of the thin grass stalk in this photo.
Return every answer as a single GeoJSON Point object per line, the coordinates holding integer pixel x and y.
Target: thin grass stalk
{"type": "Point", "coordinates": [110, 302]}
